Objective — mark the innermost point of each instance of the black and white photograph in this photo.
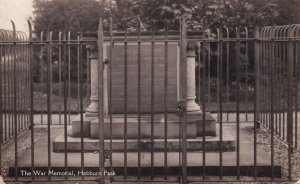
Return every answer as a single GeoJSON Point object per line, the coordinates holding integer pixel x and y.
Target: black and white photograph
{"type": "Point", "coordinates": [149, 91]}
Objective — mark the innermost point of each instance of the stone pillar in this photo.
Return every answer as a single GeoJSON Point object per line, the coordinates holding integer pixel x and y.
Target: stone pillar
{"type": "Point", "coordinates": [92, 109]}
{"type": "Point", "coordinates": [191, 105]}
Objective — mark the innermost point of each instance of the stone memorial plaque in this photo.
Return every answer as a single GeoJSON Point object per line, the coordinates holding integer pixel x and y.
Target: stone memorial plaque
{"type": "Point", "coordinates": [118, 77]}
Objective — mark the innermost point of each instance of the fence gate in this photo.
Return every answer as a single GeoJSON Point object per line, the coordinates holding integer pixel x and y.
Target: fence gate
{"type": "Point", "coordinates": [158, 105]}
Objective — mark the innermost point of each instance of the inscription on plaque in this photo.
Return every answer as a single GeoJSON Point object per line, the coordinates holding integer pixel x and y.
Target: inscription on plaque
{"type": "Point", "coordinates": [118, 77]}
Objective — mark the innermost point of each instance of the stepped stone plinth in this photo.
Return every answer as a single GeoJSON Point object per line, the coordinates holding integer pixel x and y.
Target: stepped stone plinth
{"type": "Point", "coordinates": [194, 143]}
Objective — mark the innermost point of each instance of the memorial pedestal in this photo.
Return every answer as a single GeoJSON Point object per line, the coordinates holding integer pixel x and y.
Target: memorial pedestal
{"type": "Point", "coordinates": [195, 120]}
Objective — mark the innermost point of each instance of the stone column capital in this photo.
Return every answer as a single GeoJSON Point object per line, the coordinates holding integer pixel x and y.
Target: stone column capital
{"type": "Point", "coordinates": [190, 53]}
{"type": "Point", "coordinates": [192, 46]}
{"type": "Point", "coordinates": [93, 50]}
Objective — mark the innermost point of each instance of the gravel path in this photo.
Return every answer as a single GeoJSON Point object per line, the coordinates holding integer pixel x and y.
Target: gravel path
{"type": "Point", "coordinates": [24, 143]}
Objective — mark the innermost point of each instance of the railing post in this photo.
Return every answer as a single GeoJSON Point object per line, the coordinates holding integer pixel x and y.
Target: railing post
{"type": "Point", "coordinates": [257, 88]}
{"type": "Point", "coordinates": [184, 91]}
{"type": "Point", "coordinates": [101, 99]}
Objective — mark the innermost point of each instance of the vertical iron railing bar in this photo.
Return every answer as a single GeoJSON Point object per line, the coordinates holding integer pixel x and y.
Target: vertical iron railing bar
{"type": "Point", "coordinates": [165, 103]}
{"type": "Point", "coordinates": [87, 77]}
{"type": "Point", "coordinates": [49, 115]}
{"type": "Point", "coordinates": [265, 81]}
{"type": "Point", "coordinates": [9, 82]}
{"type": "Point", "coordinates": [262, 57]}
{"type": "Point", "coordinates": [272, 73]}
{"type": "Point", "coordinates": [204, 83]}
{"type": "Point", "coordinates": [66, 86]}
{"type": "Point", "coordinates": [15, 99]}
{"type": "Point", "coordinates": [152, 100]}
{"type": "Point", "coordinates": [15, 60]}
{"type": "Point", "coordinates": [183, 46]}
{"type": "Point", "coordinates": [27, 74]}
{"type": "Point", "coordinates": [266, 86]}
{"type": "Point", "coordinates": [125, 101]}
{"type": "Point", "coordinates": [69, 76]}
{"type": "Point", "coordinates": [200, 67]}
{"type": "Point", "coordinates": [7, 95]}
{"type": "Point", "coordinates": [42, 74]}
{"type": "Point", "coordinates": [278, 103]}
{"type": "Point", "coordinates": [237, 102]}
{"type": "Point", "coordinates": [10, 85]}
{"type": "Point", "coordinates": [281, 80]}
{"type": "Point", "coordinates": [51, 71]}
{"type": "Point", "coordinates": [139, 100]}
{"type": "Point", "coordinates": [246, 70]}
{"type": "Point", "coordinates": [101, 100]}
{"type": "Point", "coordinates": [208, 69]}
{"type": "Point", "coordinates": [12, 76]}
{"type": "Point", "coordinates": [19, 49]}
{"type": "Point", "coordinates": [78, 74]}
{"type": "Point", "coordinates": [220, 56]}
{"type": "Point", "coordinates": [285, 96]}
{"type": "Point", "coordinates": [25, 97]}
{"type": "Point", "coordinates": [276, 96]}
{"type": "Point", "coordinates": [279, 76]}
{"type": "Point", "coordinates": [257, 61]}
{"type": "Point", "coordinates": [2, 84]}
{"type": "Point", "coordinates": [268, 80]}
{"type": "Point", "coordinates": [227, 74]}
{"type": "Point", "coordinates": [25, 85]}
{"type": "Point", "coordinates": [289, 101]}
{"type": "Point", "coordinates": [5, 82]}
{"type": "Point", "coordinates": [218, 75]}
{"type": "Point", "coordinates": [22, 58]}
{"type": "Point", "coordinates": [80, 59]}
{"type": "Point", "coordinates": [59, 75]}
{"type": "Point", "coordinates": [111, 45]}
{"type": "Point", "coordinates": [31, 97]}
{"type": "Point", "coordinates": [26, 79]}
{"type": "Point", "coordinates": [284, 83]}
{"type": "Point", "coordinates": [18, 76]}
{"type": "Point", "coordinates": [17, 79]}
{"type": "Point", "coordinates": [180, 117]}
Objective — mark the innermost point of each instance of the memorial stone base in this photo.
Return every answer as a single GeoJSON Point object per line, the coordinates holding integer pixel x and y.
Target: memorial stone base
{"type": "Point", "coordinates": [194, 133]}
{"type": "Point", "coordinates": [194, 126]}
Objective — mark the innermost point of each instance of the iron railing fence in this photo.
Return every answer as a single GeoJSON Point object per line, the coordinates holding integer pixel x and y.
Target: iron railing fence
{"type": "Point", "coordinates": [279, 84]}
{"type": "Point", "coordinates": [15, 82]}
{"type": "Point", "coordinates": [227, 70]}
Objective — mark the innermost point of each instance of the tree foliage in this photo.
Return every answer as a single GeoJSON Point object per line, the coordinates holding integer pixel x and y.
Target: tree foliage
{"type": "Point", "coordinates": [68, 13]}
{"type": "Point", "coordinates": [199, 13]}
